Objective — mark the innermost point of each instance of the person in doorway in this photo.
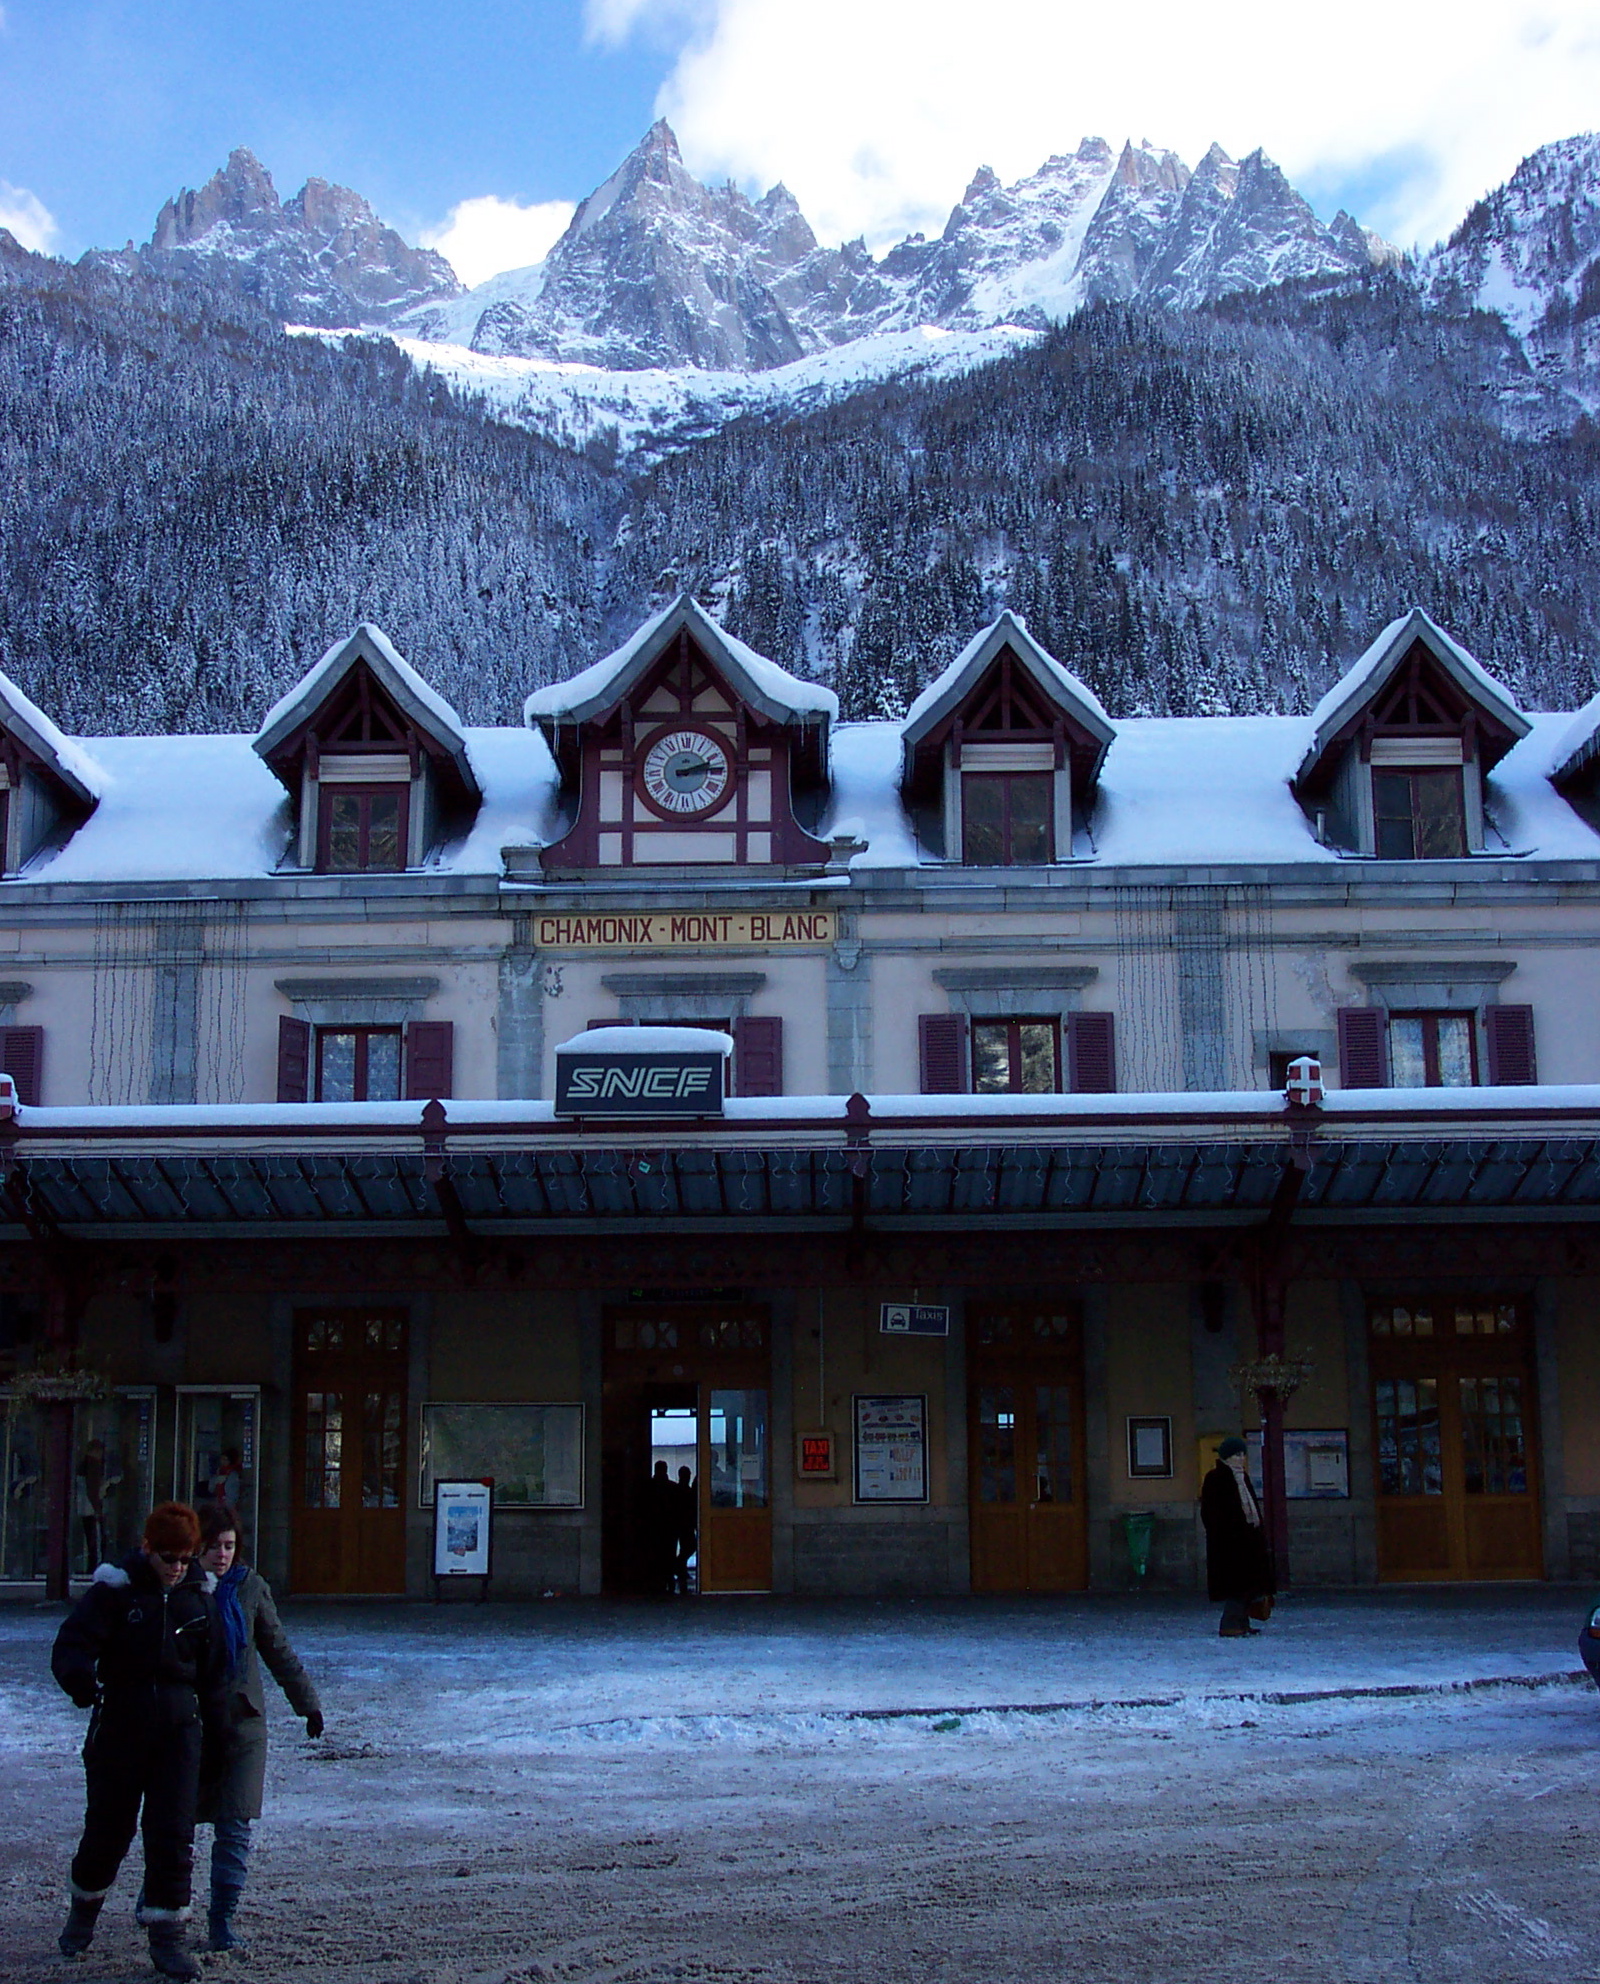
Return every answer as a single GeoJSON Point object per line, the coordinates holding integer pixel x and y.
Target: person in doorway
{"type": "Point", "coordinates": [1238, 1559]}
{"type": "Point", "coordinates": [660, 1529]}
{"type": "Point", "coordinates": [92, 1502]}
{"type": "Point", "coordinates": [144, 1649]}
{"type": "Point", "coordinates": [686, 1529]}
{"type": "Point", "coordinates": [254, 1635]}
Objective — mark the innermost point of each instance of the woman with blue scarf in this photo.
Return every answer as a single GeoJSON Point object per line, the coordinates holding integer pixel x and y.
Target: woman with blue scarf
{"type": "Point", "coordinates": [254, 1635]}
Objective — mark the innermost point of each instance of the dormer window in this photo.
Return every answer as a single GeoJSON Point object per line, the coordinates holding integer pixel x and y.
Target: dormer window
{"type": "Point", "coordinates": [375, 761]}
{"type": "Point", "coordinates": [1401, 745]}
{"type": "Point", "coordinates": [1000, 752]}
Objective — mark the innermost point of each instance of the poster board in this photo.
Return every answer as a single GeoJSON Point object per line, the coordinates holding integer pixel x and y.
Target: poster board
{"type": "Point", "coordinates": [1150, 1448]}
{"type": "Point", "coordinates": [1316, 1463]}
{"type": "Point", "coordinates": [463, 1529]}
{"type": "Point", "coordinates": [533, 1451]}
{"type": "Point", "coordinates": [891, 1447]}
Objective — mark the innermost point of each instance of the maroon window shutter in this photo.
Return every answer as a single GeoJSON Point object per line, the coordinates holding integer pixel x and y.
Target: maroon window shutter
{"type": "Point", "coordinates": [294, 1060]}
{"type": "Point", "coordinates": [1363, 1063]}
{"type": "Point", "coordinates": [22, 1058]}
{"type": "Point", "coordinates": [942, 1042]}
{"type": "Point", "coordinates": [758, 1056]}
{"type": "Point", "coordinates": [1510, 1035]}
{"type": "Point", "coordinates": [1092, 1053]}
{"type": "Point", "coordinates": [430, 1059]}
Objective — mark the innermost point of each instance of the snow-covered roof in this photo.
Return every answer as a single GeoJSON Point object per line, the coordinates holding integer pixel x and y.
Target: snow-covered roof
{"type": "Point", "coordinates": [425, 707]}
{"type": "Point", "coordinates": [776, 694]}
{"type": "Point", "coordinates": [1174, 792]}
{"type": "Point", "coordinates": [1357, 687]}
{"type": "Point", "coordinates": [648, 1040]}
{"type": "Point", "coordinates": [184, 809]}
{"type": "Point", "coordinates": [1063, 688]}
{"type": "Point", "coordinates": [1579, 743]}
{"type": "Point", "coordinates": [70, 762]}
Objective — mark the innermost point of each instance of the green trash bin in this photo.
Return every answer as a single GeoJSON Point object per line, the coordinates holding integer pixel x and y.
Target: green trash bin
{"type": "Point", "coordinates": [1140, 1530]}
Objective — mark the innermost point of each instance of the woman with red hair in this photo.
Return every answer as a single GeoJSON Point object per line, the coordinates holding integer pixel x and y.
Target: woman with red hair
{"type": "Point", "coordinates": [144, 1650]}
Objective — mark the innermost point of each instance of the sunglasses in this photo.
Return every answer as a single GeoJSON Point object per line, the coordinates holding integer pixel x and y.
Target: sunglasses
{"type": "Point", "coordinates": [173, 1558]}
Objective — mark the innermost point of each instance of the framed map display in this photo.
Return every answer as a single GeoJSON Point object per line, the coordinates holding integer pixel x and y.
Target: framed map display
{"type": "Point", "coordinates": [532, 1452]}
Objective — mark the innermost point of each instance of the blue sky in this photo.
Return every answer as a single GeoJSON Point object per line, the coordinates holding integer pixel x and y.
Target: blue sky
{"type": "Point", "coordinates": [477, 124]}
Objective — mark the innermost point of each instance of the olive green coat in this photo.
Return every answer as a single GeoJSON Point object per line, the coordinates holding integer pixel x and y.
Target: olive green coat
{"type": "Point", "coordinates": [237, 1793]}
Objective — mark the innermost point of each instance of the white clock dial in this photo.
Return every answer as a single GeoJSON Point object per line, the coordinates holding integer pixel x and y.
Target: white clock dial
{"type": "Point", "coordinates": [686, 771]}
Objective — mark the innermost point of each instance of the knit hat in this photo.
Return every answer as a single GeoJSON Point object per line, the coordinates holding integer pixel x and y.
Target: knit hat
{"type": "Point", "coordinates": [172, 1526]}
{"type": "Point", "coordinates": [1230, 1448]}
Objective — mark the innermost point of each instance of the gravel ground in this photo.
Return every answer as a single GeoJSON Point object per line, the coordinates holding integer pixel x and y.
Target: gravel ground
{"type": "Point", "coordinates": [1382, 1786]}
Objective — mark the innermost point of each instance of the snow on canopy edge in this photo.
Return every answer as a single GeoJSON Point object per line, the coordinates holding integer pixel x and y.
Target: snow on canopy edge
{"type": "Point", "coordinates": [599, 685]}
{"type": "Point", "coordinates": [1579, 742]}
{"type": "Point", "coordinates": [1009, 628]}
{"type": "Point", "coordinates": [67, 758]}
{"type": "Point", "coordinates": [370, 643]}
{"type": "Point", "coordinates": [1365, 676]}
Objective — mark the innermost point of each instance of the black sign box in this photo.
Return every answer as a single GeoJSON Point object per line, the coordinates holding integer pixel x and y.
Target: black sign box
{"type": "Point", "coordinates": [658, 1084]}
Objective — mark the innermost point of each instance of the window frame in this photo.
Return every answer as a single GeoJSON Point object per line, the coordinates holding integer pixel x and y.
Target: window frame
{"type": "Point", "coordinates": [360, 1080]}
{"type": "Point", "coordinates": [1006, 780]}
{"type": "Point", "coordinates": [1430, 1017]}
{"type": "Point", "coordinates": [365, 792]}
{"type": "Point", "coordinates": [1014, 1056]}
{"type": "Point", "coordinates": [1414, 819]}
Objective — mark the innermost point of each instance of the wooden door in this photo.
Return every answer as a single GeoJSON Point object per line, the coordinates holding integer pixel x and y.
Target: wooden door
{"type": "Point", "coordinates": [350, 1451]}
{"type": "Point", "coordinates": [1457, 1461]}
{"type": "Point", "coordinates": [722, 1354]}
{"type": "Point", "coordinates": [1025, 1448]}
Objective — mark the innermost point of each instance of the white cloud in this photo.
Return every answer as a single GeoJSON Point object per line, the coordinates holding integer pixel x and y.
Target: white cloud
{"type": "Point", "coordinates": [484, 236]}
{"type": "Point", "coordinates": [26, 216]}
{"type": "Point", "coordinates": [876, 112]}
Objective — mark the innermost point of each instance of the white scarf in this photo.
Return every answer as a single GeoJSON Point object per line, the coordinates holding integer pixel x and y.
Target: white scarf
{"type": "Point", "coordinates": [1247, 1500]}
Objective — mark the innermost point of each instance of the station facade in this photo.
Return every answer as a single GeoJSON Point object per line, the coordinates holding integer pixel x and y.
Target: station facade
{"type": "Point", "coordinates": [1006, 1217]}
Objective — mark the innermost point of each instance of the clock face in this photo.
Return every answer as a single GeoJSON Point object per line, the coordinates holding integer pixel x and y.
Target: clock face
{"type": "Point", "coordinates": [686, 771]}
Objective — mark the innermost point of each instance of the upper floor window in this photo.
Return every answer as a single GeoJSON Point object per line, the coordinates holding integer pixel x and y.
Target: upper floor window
{"type": "Point", "coordinates": [1005, 818]}
{"type": "Point", "coordinates": [1016, 1057]}
{"type": "Point", "coordinates": [1418, 813]}
{"type": "Point", "coordinates": [364, 827]}
{"type": "Point", "coordinates": [1433, 1050]}
{"type": "Point", "coordinates": [358, 1064]}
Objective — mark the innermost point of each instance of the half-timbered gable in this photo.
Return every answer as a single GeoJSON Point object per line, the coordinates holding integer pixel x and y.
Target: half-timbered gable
{"type": "Point", "coordinates": [1401, 746]}
{"type": "Point", "coordinates": [684, 748]}
{"type": "Point", "coordinates": [374, 759]}
{"type": "Point", "coordinates": [1002, 751]}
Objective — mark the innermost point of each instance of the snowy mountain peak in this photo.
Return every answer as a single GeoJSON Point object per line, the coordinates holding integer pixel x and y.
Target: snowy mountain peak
{"type": "Point", "coordinates": [323, 257]}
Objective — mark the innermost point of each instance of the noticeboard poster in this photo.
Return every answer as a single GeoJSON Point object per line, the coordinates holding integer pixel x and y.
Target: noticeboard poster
{"type": "Point", "coordinates": [891, 1448]}
{"type": "Point", "coordinates": [463, 1528]}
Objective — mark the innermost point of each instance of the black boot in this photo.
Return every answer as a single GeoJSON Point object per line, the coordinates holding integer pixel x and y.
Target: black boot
{"type": "Point", "coordinates": [219, 1917]}
{"type": "Point", "coordinates": [169, 1949]}
{"type": "Point", "coordinates": [78, 1932]}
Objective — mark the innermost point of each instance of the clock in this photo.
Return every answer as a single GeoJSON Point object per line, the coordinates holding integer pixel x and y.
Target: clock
{"type": "Point", "coordinates": [685, 772]}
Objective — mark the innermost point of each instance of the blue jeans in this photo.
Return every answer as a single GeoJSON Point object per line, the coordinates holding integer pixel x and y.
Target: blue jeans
{"type": "Point", "coordinates": [230, 1862]}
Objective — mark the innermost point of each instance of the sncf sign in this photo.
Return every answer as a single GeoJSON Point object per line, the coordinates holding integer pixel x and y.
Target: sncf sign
{"type": "Point", "coordinates": [657, 1084]}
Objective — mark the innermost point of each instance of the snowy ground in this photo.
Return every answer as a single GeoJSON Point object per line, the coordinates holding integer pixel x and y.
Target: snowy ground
{"type": "Point", "coordinates": [1382, 1786]}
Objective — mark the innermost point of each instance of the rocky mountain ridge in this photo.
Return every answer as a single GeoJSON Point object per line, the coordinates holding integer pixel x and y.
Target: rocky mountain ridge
{"type": "Point", "coordinates": [657, 270]}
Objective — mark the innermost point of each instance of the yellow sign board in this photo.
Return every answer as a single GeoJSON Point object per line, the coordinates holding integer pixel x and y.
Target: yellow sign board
{"type": "Point", "coordinates": [687, 930]}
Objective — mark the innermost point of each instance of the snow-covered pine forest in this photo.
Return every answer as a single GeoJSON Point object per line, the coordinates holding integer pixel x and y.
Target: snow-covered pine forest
{"type": "Point", "coordinates": [1197, 511]}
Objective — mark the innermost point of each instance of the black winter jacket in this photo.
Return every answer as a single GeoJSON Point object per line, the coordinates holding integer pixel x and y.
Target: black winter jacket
{"type": "Point", "coordinates": [150, 1658]}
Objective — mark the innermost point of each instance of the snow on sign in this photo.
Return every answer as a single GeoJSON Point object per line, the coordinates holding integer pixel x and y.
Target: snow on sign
{"type": "Point", "coordinates": [913, 1319]}
{"type": "Point", "coordinates": [641, 1071]}
{"type": "Point", "coordinates": [891, 1449]}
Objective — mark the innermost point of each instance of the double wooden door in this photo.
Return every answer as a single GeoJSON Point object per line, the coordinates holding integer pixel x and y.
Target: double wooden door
{"type": "Point", "coordinates": [1457, 1459]}
{"type": "Point", "coordinates": [713, 1362]}
{"type": "Point", "coordinates": [1025, 1448]}
{"type": "Point", "coordinates": [350, 1451]}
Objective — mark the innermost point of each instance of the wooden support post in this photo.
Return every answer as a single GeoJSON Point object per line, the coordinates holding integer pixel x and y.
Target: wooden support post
{"type": "Point", "coordinates": [1274, 1486]}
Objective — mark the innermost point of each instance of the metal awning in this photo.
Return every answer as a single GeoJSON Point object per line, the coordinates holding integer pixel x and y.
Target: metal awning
{"type": "Point", "coordinates": [373, 1173]}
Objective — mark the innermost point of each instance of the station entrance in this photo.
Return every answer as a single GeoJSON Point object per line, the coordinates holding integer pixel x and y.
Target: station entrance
{"type": "Point", "coordinates": [1456, 1439]}
{"type": "Point", "coordinates": [1025, 1442]}
{"type": "Point", "coordinates": [687, 1391]}
{"type": "Point", "coordinates": [348, 1516]}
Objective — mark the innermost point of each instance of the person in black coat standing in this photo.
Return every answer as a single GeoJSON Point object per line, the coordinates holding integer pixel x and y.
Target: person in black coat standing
{"type": "Point", "coordinates": [144, 1649]}
{"type": "Point", "coordinates": [1238, 1558]}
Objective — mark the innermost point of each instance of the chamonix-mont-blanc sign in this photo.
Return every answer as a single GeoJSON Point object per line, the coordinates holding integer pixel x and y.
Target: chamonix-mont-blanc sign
{"type": "Point", "coordinates": [693, 930]}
